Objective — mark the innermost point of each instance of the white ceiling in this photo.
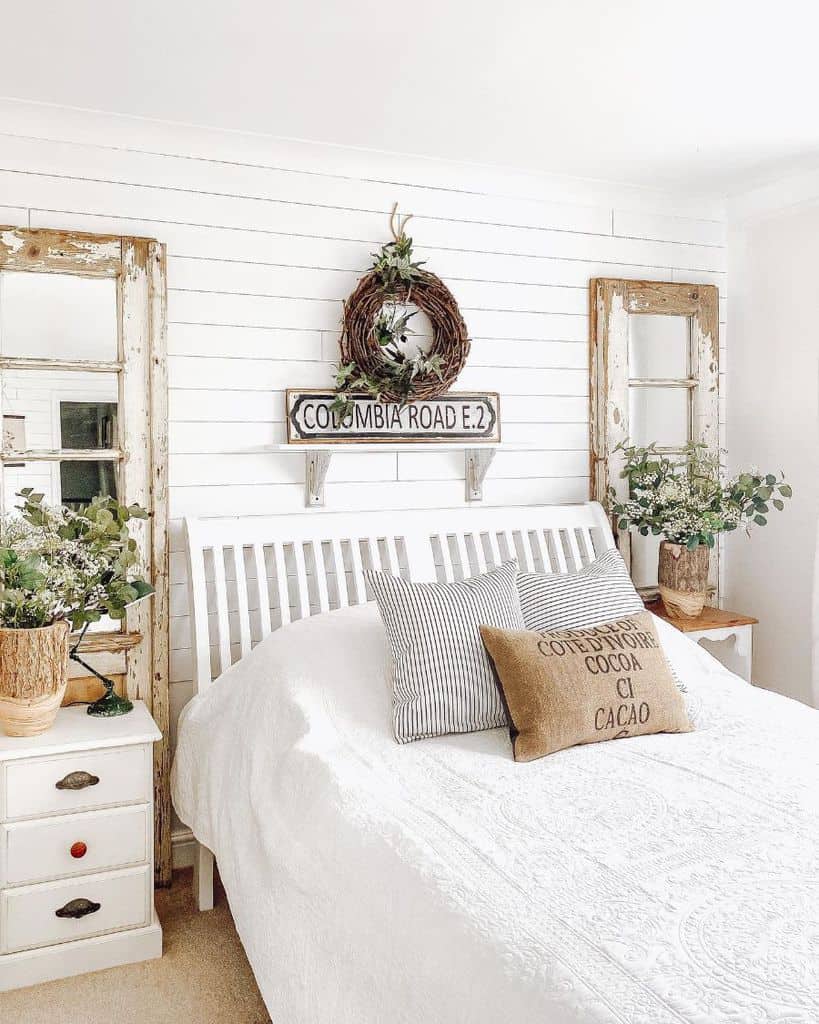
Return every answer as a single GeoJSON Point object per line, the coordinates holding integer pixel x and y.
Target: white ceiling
{"type": "Point", "coordinates": [696, 96]}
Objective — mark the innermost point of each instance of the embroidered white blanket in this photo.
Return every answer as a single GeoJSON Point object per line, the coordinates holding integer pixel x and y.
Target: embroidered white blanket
{"type": "Point", "coordinates": [658, 880]}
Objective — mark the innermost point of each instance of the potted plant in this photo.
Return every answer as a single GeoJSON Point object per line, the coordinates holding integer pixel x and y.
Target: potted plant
{"type": "Point", "coordinates": [683, 499]}
{"type": "Point", "coordinates": [60, 570]}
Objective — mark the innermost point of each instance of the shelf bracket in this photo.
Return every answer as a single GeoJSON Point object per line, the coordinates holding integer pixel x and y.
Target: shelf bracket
{"type": "Point", "coordinates": [476, 463]}
{"type": "Point", "coordinates": [316, 465]}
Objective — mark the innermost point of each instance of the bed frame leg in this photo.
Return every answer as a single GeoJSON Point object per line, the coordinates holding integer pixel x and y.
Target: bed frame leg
{"type": "Point", "coordinates": [203, 877]}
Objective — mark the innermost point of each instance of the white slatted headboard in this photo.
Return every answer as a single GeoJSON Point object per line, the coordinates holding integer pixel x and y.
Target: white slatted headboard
{"type": "Point", "coordinates": [249, 575]}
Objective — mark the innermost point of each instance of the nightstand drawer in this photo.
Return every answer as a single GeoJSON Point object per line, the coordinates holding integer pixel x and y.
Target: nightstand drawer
{"type": "Point", "coordinates": [75, 782]}
{"type": "Point", "coordinates": [74, 844]}
{"type": "Point", "coordinates": [87, 906]}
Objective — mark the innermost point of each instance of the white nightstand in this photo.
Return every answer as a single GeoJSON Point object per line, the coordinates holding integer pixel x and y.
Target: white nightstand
{"type": "Point", "coordinates": [76, 848]}
{"type": "Point", "coordinates": [714, 625]}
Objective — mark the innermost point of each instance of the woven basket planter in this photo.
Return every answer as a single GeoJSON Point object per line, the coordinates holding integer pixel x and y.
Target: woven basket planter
{"type": "Point", "coordinates": [430, 294]}
{"type": "Point", "coordinates": [683, 578]}
{"type": "Point", "coordinates": [33, 677]}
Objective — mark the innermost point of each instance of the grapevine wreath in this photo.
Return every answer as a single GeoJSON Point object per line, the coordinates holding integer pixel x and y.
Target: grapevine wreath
{"type": "Point", "coordinates": [375, 327]}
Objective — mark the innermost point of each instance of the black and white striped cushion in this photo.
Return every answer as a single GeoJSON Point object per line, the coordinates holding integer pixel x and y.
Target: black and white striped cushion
{"type": "Point", "coordinates": [600, 592]}
{"type": "Point", "coordinates": [442, 678]}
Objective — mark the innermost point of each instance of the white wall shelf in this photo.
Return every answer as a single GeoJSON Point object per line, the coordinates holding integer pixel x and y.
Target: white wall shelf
{"type": "Point", "coordinates": [477, 459]}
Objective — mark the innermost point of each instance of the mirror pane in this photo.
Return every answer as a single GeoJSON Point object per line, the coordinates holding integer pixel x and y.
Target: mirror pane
{"type": "Point", "coordinates": [58, 316]}
{"type": "Point", "coordinates": [46, 410]}
{"type": "Point", "coordinates": [658, 415]}
{"type": "Point", "coordinates": [658, 346]}
{"type": "Point", "coordinates": [72, 483]}
{"type": "Point", "coordinates": [82, 481]}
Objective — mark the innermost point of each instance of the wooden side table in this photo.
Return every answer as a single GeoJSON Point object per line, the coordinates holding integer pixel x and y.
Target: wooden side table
{"type": "Point", "coordinates": [714, 624]}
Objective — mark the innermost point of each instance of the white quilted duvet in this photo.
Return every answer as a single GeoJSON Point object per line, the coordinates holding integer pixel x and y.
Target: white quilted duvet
{"type": "Point", "coordinates": [658, 880]}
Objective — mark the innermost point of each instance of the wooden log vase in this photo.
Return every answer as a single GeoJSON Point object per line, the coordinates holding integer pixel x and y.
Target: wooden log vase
{"type": "Point", "coordinates": [683, 578]}
{"type": "Point", "coordinates": [33, 677]}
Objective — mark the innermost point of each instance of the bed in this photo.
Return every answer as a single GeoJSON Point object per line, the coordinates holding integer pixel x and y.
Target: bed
{"type": "Point", "coordinates": [666, 878]}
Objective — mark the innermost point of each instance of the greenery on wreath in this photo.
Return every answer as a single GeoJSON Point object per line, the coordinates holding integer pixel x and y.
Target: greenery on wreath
{"type": "Point", "coordinates": [57, 563]}
{"type": "Point", "coordinates": [397, 272]}
{"type": "Point", "coordinates": [684, 499]}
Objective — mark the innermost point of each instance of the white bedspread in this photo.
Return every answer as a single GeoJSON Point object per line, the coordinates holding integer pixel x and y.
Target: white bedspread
{"type": "Point", "coordinates": [659, 880]}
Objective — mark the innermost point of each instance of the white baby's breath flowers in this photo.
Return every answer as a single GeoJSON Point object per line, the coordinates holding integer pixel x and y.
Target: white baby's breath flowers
{"type": "Point", "coordinates": [684, 499]}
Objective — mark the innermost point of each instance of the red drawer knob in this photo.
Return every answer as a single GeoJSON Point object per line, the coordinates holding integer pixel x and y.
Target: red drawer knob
{"type": "Point", "coordinates": [78, 850]}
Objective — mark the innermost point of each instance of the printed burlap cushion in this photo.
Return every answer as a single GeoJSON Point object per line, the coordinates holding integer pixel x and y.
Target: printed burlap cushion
{"type": "Point", "coordinates": [584, 685]}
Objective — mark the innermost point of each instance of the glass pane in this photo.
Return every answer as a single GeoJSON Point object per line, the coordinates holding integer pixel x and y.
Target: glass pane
{"type": "Point", "coordinates": [659, 346]}
{"type": "Point", "coordinates": [658, 415]}
{"type": "Point", "coordinates": [82, 481]}
{"type": "Point", "coordinates": [45, 410]}
{"type": "Point", "coordinates": [58, 316]}
{"type": "Point", "coordinates": [50, 409]}
{"type": "Point", "coordinates": [88, 424]}
{"type": "Point", "coordinates": [71, 483]}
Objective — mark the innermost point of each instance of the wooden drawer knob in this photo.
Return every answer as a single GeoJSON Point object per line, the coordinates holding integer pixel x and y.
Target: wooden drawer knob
{"type": "Point", "coordinates": [78, 850]}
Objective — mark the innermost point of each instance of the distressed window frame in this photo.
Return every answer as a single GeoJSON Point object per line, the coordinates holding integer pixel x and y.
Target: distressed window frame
{"type": "Point", "coordinates": [611, 302]}
{"type": "Point", "coordinates": [138, 265]}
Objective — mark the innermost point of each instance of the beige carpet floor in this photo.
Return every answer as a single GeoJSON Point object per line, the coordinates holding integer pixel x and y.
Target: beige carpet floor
{"type": "Point", "coordinates": [203, 977]}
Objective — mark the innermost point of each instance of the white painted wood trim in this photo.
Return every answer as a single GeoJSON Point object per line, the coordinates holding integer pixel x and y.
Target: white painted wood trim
{"type": "Point", "coordinates": [203, 877]}
{"type": "Point", "coordinates": [18, 970]}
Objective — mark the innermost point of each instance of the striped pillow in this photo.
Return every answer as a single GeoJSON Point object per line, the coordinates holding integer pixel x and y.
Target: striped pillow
{"type": "Point", "coordinates": [599, 593]}
{"type": "Point", "coordinates": [442, 678]}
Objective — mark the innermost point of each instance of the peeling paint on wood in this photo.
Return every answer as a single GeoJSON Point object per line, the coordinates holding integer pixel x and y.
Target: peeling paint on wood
{"type": "Point", "coordinates": [139, 265]}
{"type": "Point", "coordinates": [611, 302]}
{"type": "Point", "coordinates": [66, 252]}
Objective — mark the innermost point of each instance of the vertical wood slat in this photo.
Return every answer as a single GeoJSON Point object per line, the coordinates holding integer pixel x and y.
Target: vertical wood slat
{"type": "Point", "coordinates": [533, 540]}
{"type": "Point", "coordinates": [494, 548]}
{"type": "Point", "coordinates": [575, 551]}
{"type": "Point", "coordinates": [337, 563]}
{"type": "Point", "coordinates": [134, 384]}
{"type": "Point", "coordinates": [302, 592]}
{"type": "Point", "coordinates": [321, 575]}
{"type": "Point", "coordinates": [241, 598]}
{"type": "Point", "coordinates": [373, 558]}
{"type": "Point", "coordinates": [197, 600]}
{"type": "Point", "coordinates": [222, 614]}
{"type": "Point", "coordinates": [393, 564]}
{"type": "Point", "coordinates": [141, 305]}
{"type": "Point", "coordinates": [446, 558]}
{"type": "Point", "coordinates": [480, 556]}
{"type": "Point", "coordinates": [586, 545]}
{"type": "Point", "coordinates": [265, 624]}
{"type": "Point", "coordinates": [608, 392]}
{"type": "Point", "coordinates": [358, 570]}
{"type": "Point", "coordinates": [520, 555]}
{"type": "Point", "coordinates": [558, 555]}
{"type": "Point", "coordinates": [463, 556]}
{"type": "Point", "coordinates": [280, 565]}
{"type": "Point", "coordinates": [160, 557]}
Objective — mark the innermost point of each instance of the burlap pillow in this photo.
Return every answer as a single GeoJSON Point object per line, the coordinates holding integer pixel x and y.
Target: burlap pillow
{"type": "Point", "coordinates": [584, 685]}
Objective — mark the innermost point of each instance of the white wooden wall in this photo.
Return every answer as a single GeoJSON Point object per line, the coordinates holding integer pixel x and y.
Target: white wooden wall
{"type": "Point", "coordinates": [266, 238]}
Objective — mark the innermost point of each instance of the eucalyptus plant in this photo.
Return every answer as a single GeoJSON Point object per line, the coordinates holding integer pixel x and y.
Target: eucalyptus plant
{"type": "Point", "coordinates": [394, 264]}
{"type": "Point", "coordinates": [684, 499]}
{"type": "Point", "coordinates": [58, 563]}
{"type": "Point", "coordinates": [398, 370]}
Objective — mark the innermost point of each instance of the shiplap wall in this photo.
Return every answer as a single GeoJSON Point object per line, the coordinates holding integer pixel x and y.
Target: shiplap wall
{"type": "Point", "coordinates": [265, 239]}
